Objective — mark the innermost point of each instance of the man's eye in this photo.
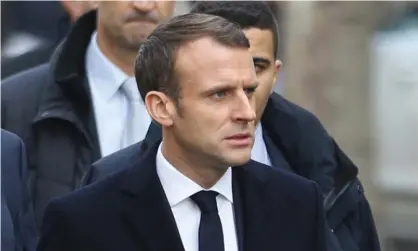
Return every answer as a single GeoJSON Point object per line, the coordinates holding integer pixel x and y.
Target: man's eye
{"type": "Point", "coordinates": [219, 94]}
{"type": "Point", "coordinates": [250, 91]}
{"type": "Point", "coordinates": [259, 68]}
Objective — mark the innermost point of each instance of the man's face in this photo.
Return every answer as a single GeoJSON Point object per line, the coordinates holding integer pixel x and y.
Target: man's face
{"type": "Point", "coordinates": [128, 23]}
{"type": "Point", "coordinates": [262, 50]}
{"type": "Point", "coordinates": [216, 115]}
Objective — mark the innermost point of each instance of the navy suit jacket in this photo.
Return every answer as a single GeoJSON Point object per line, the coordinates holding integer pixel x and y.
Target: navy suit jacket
{"type": "Point", "coordinates": [129, 211]}
{"type": "Point", "coordinates": [18, 231]}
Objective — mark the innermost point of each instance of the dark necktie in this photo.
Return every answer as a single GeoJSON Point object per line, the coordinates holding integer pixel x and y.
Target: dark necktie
{"type": "Point", "coordinates": [211, 237]}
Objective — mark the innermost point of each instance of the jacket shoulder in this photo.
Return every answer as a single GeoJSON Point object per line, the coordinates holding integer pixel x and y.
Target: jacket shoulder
{"type": "Point", "coordinates": [296, 112]}
{"type": "Point", "coordinates": [285, 184]}
{"type": "Point", "coordinates": [26, 82]}
{"type": "Point", "coordinates": [9, 140]}
{"type": "Point", "coordinates": [100, 193]}
{"type": "Point", "coordinates": [74, 216]}
{"type": "Point", "coordinates": [26, 86]}
{"type": "Point", "coordinates": [111, 164]}
{"type": "Point", "coordinates": [295, 195]}
{"type": "Point", "coordinates": [11, 151]}
{"type": "Point", "coordinates": [21, 96]}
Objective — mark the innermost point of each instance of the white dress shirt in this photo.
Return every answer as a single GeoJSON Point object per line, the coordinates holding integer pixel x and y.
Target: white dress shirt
{"type": "Point", "coordinates": [178, 189]}
{"type": "Point", "coordinates": [259, 151]}
{"type": "Point", "coordinates": [109, 102]}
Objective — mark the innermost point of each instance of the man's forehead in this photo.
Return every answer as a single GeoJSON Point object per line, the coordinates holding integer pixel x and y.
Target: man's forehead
{"type": "Point", "coordinates": [226, 68]}
{"type": "Point", "coordinates": [261, 42]}
{"type": "Point", "coordinates": [206, 52]}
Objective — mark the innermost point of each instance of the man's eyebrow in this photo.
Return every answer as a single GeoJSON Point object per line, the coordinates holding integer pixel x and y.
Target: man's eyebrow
{"type": "Point", "coordinates": [220, 87]}
{"type": "Point", "coordinates": [254, 84]}
{"type": "Point", "coordinates": [261, 60]}
{"type": "Point", "coordinates": [228, 87]}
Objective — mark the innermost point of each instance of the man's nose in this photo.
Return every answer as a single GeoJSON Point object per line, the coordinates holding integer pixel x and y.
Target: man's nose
{"type": "Point", "coordinates": [244, 108]}
{"type": "Point", "coordinates": [144, 6]}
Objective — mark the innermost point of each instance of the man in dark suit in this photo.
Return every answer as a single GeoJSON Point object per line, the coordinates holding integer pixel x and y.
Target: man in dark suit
{"type": "Point", "coordinates": [287, 136]}
{"type": "Point", "coordinates": [18, 231]}
{"type": "Point", "coordinates": [197, 188]}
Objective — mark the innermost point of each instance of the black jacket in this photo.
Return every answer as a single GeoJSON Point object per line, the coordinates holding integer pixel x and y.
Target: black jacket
{"type": "Point", "coordinates": [274, 210]}
{"type": "Point", "coordinates": [311, 153]}
{"type": "Point", "coordinates": [50, 108]}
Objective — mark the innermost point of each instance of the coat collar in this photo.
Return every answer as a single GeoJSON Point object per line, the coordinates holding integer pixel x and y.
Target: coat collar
{"type": "Point", "coordinates": [67, 90]}
{"type": "Point", "coordinates": [147, 212]}
{"type": "Point", "coordinates": [284, 121]}
{"type": "Point", "coordinates": [66, 95]}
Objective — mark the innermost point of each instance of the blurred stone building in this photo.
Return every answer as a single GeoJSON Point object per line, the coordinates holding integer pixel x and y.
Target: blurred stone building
{"type": "Point", "coordinates": [335, 67]}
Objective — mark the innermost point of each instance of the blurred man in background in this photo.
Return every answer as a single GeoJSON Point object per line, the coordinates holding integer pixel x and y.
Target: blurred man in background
{"type": "Point", "coordinates": [17, 57]}
{"type": "Point", "coordinates": [80, 105]}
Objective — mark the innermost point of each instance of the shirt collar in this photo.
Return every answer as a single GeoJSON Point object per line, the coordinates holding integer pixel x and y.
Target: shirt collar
{"type": "Point", "coordinates": [258, 131]}
{"type": "Point", "coordinates": [105, 76]}
{"type": "Point", "coordinates": [178, 187]}
{"type": "Point", "coordinates": [258, 142]}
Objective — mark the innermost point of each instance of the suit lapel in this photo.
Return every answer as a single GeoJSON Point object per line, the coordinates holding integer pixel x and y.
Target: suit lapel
{"type": "Point", "coordinates": [276, 157]}
{"type": "Point", "coordinates": [152, 137]}
{"type": "Point", "coordinates": [145, 207]}
{"type": "Point", "coordinates": [260, 213]}
{"type": "Point", "coordinates": [238, 210]}
{"type": "Point", "coordinates": [282, 130]}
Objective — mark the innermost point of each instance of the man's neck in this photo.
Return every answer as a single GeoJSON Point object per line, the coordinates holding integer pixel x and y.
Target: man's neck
{"type": "Point", "coordinates": [192, 166]}
{"type": "Point", "coordinates": [122, 58]}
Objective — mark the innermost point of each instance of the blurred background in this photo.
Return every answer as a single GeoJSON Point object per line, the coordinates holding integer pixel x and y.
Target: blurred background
{"type": "Point", "coordinates": [353, 64]}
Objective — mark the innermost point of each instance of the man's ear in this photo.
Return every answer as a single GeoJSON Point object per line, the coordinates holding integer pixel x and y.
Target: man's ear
{"type": "Point", "coordinates": [160, 107]}
{"type": "Point", "coordinates": [277, 67]}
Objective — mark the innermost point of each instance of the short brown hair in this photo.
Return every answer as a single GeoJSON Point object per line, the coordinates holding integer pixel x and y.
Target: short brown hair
{"type": "Point", "coordinates": [154, 65]}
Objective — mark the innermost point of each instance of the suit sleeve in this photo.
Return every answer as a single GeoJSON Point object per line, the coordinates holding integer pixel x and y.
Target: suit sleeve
{"type": "Point", "coordinates": [27, 223]}
{"type": "Point", "coordinates": [57, 232]}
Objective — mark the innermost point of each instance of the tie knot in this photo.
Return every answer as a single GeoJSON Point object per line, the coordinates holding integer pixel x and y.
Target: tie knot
{"type": "Point", "coordinates": [130, 89]}
{"type": "Point", "coordinates": [206, 201]}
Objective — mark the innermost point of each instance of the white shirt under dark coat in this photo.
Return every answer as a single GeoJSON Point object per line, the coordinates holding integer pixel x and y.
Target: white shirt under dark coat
{"type": "Point", "coordinates": [259, 151]}
{"type": "Point", "coordinates": [109, 103]}
{"type": "Point", "coordinates": [178, 189]}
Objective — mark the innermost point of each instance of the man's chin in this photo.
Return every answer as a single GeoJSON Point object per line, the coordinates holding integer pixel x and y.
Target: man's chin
{"type": "Point", "coordinates": [239, 160]}
{"type": "Point", "coordinates": [134, 43]}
